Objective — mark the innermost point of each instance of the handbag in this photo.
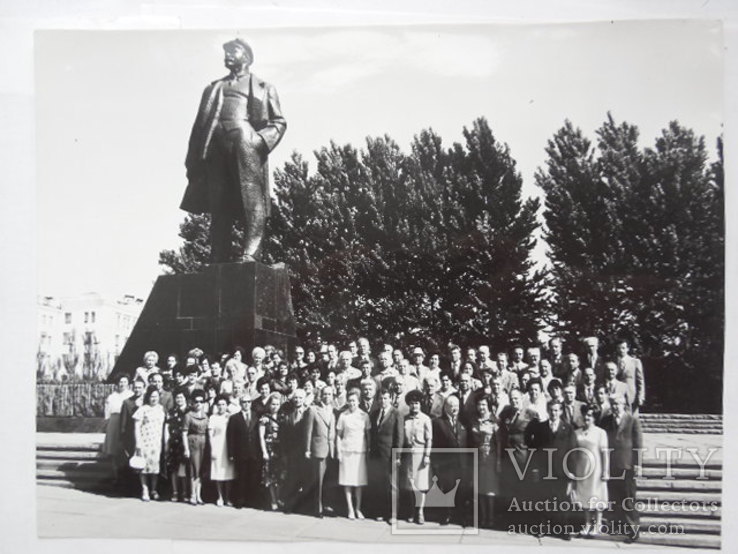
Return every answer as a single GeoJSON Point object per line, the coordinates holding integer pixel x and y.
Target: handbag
{"type": "Point", "coordinates": [137, 463]}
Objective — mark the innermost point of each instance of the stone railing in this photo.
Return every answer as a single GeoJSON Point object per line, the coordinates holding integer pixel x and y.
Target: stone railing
{"type": "Point", "coordinates": [72, 399]}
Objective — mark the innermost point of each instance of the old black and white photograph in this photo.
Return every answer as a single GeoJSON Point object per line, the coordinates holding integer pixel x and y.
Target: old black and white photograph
{"type": "Point", "coordinates": [448, 283]}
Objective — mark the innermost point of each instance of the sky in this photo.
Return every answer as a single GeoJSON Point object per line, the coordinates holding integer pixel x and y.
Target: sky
{"type": "Point", "coordinates": [114, 110]}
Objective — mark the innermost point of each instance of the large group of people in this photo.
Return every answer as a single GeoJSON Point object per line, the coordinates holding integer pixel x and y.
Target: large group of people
{"type": "Point", "coordinates": [354, 432]}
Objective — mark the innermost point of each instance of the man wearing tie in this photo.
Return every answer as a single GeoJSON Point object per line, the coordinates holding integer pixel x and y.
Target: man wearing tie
{"type": "Point", "coordinates": [613, 386]}
{"type": "Point", "coordinates": [586, 391]}
{"type": "Point", "coordinates": [467, 399]}
{"type": "Point", "coordinates": [514, 420]}
{"type": "Point", "coordinates": [293, 432]}
{"type": "Point", "coordinates": [242, 443]}
{"type": "Point", "coordinates": [320, 438]}
{"type": "Point", "coordinates": [384, 435]}
{"type": "Point", "coordinates": [592, 358]}
{"type": "Point", "coordinates": [553, 440]}
{"type": "Point", "coordinates": [450, 432]}
{"type": "Point", "coordinates": [625, 439]}
{"type": "Point", "coordinates": [630, 372]}
{"type": "Point", "coordinates": [572, 408]}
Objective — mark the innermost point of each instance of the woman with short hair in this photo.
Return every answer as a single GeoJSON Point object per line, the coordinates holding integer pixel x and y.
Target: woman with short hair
{"type": "Point", "coordinates": [194, 434]}
{"type": "Point", "coordinates": [221, 468]}
{"type": "Point", "coordinates": [352, 435]}
{"type": "Point", "coordinates": [418, 437]}
{"type": "Point", "coordinates": [149, 432]}
{"type": "Point", "coordinates": [592, 469]}
{"type": "Point", "coordinates": [150, 359]}
{"type": "Point", "coordinates": [484, 436]}
{"type": "Point", "coordinates": [113, 446]}
{"type": "Point", "coordinates": [272, 471]}
{"type": "Point", "coordinates": [176, 463]}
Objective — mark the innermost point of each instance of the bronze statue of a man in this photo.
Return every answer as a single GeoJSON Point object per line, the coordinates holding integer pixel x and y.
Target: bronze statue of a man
{"type": "Point", "coordinates": [238, 124]}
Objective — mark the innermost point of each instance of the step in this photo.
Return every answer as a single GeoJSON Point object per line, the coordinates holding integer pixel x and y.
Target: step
{"type": "Point", "coordinates": [685, 429]}
{"type": "Point", "coordinates": [76, 474]}
{"type": "Point", "coordinates": [687, 541]}
{"type": "Point", "coordinates": [657, 472]}
{"type": "Point", "coordinates": [72, 447]}
{"type": "Point", "coordinates": [690, 525]}
{"type": "Point", "coordinates": [66, 463]}
{"type": "Point", "coordinates": [68, 454]}
{"type": "Point", "coordinates": [688, 462]}
{"type": "Point", "coordinates": [648, 509]}
{"type": "Point", "coordinates": [676, 496]}
{"type": "Point", "coordinates": [653, 416]}
{"type": "Point", "coordinates": [679, 485]}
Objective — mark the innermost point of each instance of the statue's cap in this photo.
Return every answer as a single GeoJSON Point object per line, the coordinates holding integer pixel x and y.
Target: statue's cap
{"type": "Point", "coordinates": [243, 44]}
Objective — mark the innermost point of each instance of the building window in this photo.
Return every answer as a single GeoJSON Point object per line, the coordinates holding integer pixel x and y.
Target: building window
{"type": "Point", "coordinates": [68, 317]}
{"type": "Point", "coordinates": [67, 338]}
{"type": "Point", "coordinates": [92, 317]}
{"type": "Point", "coordinates": [87, 317]}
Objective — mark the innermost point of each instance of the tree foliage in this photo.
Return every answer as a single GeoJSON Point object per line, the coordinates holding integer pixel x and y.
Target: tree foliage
{"type": "Point", "coordinates": [419, 247]}
{"type": "Point", "coordinates": [637, 246]}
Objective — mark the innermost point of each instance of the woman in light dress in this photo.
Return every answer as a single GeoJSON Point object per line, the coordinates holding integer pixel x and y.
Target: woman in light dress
{"type": "Point", "coordinates": [221, 468]}
{"type": "Point", "coordinates": [419, 437]}
{"type": "Point", "coordinates": [113, 448]}
{"type": "Point", "coordinates": [149, 431]}
{"type": "Point", "coordinates": [592, 472]}
{"type": "Point", "coordinates": [352, 435]}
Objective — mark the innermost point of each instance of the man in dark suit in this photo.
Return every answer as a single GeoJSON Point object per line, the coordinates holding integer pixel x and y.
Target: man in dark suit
{"type": "Point", "coordinates": [320, 437]}
{"type": "Point", "coordinates": [586, 392]}
{"type": "Point", "coordinates": [572, 407]}
{"type": "Point", "coordinates": [467, 399]}
{"type": "Point", "coordinates": [242, 441]}
{"type": "Point", "coordinates": [450, 432]}
{"type": "Point", "coordinates": [166, 399]}
{"type": "Point", "coordinates": [292, 442]}
{"type": "Point", "coordinates": [553, 440]}
{"type": "Point", "coordinates": [625, 440]}
{"type": "Point", "coordinates": [385, 434]}
{"type": "Point", "coordinates": [592, 357]}
{"type": "Point", "coordinates": [515, 483]}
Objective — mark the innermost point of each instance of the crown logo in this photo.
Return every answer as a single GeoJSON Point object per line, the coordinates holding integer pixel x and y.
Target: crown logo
{"type": "Point", "coordinates": [436, 498]}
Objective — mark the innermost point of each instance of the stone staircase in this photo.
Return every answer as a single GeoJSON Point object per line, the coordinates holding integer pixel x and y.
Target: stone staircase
{"type": "Point", "coordinates": [708, 424]}
{"type": "Point", "coordinates": [72, 461]}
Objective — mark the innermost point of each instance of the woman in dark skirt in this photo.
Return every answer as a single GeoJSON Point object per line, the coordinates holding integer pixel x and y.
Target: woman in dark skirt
{"type": "Point", "coordinates": [194, 438]}
{"type": "Point", "coordinates": [272, 471]}
{"type": "Point", "coordinates": [176, 463]}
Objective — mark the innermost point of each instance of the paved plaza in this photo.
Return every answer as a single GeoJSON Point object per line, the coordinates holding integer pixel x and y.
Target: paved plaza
{"type": "Point", "coordinates": [72, 513]}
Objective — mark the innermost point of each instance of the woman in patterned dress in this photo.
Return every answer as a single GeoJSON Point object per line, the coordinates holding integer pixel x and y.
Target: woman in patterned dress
{"type": "Point", "coordinates": [269, 440]}
{"type": "Point", "coordinates": [194, 435]}
{"type": "Point", "coordinates": [484, 435]}
{"type": "Point", "coordinates": [176, 462]}
{"type": "Point", "coordinates": [419, 437]}
{"type": "Point", "coordinates": [221, 468]}
{"type": "Point", "coordinates": [113, 447]}
{"type": "Point", "coordinates": [149, 432]}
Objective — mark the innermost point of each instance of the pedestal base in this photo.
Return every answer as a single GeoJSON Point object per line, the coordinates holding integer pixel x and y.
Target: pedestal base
{"type": "Point", "coordinates": [226, 305]}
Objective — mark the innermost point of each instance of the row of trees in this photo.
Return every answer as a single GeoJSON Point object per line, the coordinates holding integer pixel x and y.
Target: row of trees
{"type": "Point", "coordinates": [435, 244]}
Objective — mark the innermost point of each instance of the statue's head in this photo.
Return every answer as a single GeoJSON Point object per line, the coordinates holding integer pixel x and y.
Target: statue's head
{"type": "Point", "coordinates": [238, 53]}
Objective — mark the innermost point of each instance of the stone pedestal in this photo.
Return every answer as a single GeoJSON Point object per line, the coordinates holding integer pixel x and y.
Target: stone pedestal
{"type": "Point", "coordinates": [226, 305]}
